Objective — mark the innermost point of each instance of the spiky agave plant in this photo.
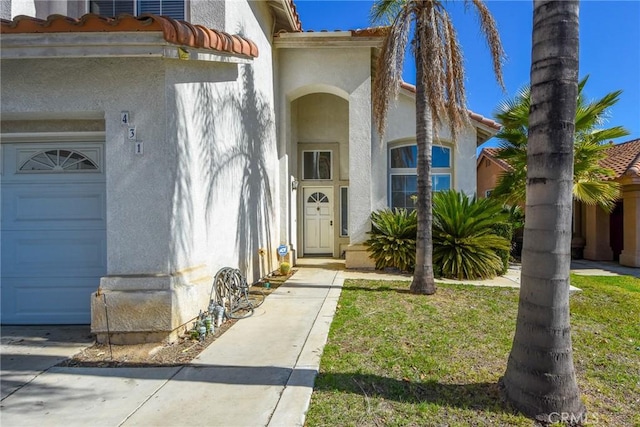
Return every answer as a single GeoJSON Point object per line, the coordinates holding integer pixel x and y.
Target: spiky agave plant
{"type": "Point", "coordinates": [465, 243]}
{"type": "Point", "coordinates": [393, 238]}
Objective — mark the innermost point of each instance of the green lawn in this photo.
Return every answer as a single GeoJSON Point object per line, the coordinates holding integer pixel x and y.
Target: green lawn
{"type": "Point", "coordinates": [399, 359]}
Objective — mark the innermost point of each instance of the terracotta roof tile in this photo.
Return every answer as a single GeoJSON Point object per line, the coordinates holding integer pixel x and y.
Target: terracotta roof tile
{"type": "Point", "coordinates": [474, 116]}
{"type": "Point", "coordinates": [624, 159]}
{"type": "Point", "coordinates": [175, 32]}
{"type": "Point", "coordinates": [492, 153]}
{"type": "Point", "coordinates": [294, 14]}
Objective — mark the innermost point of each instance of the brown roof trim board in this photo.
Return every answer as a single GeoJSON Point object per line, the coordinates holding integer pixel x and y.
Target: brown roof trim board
{"type": "Point", "coordinates": [175, 32]}
{"type": "Point", "coordinates": [474, 116]}
{"type": "Point", "coordinates": [492, 154]}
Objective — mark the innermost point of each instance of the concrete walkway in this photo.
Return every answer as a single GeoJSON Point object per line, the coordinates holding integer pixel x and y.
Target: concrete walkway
{"type": "Point", "coordinates": [259, 373]}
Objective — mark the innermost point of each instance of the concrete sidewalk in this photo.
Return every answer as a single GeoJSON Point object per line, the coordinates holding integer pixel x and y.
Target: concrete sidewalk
{"type": "Point", "coordinates": [258, 373]}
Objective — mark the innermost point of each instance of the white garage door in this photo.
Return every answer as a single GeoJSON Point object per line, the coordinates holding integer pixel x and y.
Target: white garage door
{"type": "Point", "coordinates": [53, 236]}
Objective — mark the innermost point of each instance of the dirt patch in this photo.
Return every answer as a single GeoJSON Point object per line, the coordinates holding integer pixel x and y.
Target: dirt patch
{"type": "Point", "coordinates": [178, 353]}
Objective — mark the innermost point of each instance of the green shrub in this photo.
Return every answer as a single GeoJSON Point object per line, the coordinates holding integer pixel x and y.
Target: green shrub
{"type": "Point", "coordinates": [285, 268]}
{"type": "Point", "coordinates": [516, 219]}
{"type": "Point", "coordinates": [465, 242]}
{"type": "Point", "coordinates": [504, 229]}
{"type": "Point", "coordinates": [393, 239]}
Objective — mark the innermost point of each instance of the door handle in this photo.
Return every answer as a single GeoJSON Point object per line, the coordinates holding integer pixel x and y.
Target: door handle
{"type": "Point", "coordinates": [331, 223]}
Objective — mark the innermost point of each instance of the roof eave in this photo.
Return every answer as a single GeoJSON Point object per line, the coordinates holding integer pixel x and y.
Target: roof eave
{"type": "Point", "coordinates": [326, 39]}
{"type": "Point", "coordinates": [285, 15]}
{"type": "Point", "coordinates": [148, 44]}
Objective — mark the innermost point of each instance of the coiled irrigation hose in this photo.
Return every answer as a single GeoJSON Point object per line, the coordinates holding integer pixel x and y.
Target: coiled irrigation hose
{"type": "Point", "coordinates": [231, 291]}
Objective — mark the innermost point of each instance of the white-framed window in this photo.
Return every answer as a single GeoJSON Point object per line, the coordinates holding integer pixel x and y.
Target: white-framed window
{"type": "Point", "coordinates": [58, 160]}
{"type": "Point", "coordinates": [344, 211]}
{"type": "Point", "coordinates": [172, 8]}
{"type": "Point", "coordinates": [316, 165]}
{"type": "Point", "coordinates": [403, 182]}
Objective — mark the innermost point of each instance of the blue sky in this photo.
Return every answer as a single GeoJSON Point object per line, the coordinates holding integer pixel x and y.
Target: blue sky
{"type": "Point", "coordinates": [609, 49]}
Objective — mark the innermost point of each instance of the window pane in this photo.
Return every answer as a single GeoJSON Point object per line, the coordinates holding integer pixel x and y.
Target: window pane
{"type": "Point", "coordinates": [317, 165]}
{"type": "Point", "coordinates": [111, 8]}
{"type": "Point", "coordinates": [411, 183]}
{"type": "Point", "coordinates": [149, 6]}
{"type": "Point", "coordinates": [172, 8]}
{"type": "Point", "coordinates": [397, 183]}
{"type": "Point", "coordinates": [397, 200]}
{"type": "Point", "coordinates": [440, 157]}
{"type": "Point", "coordinates": [344, 211]}
{"type": "Point", "coordinates": [407, 157]}
{"type": "Point", "coordinates": [441, 182]}
{"type": "Point", "coordinates": [404, 157]}
{"type": "Point", "coordinates": [403, 191]}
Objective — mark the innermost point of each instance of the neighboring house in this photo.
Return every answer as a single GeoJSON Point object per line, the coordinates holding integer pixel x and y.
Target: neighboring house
{"type": "Point", "coordinates": [598, 235]}
{"type": "Point", "coordinates": [488, 169]}
{"type": "Point", "coordinates": [142, 154]}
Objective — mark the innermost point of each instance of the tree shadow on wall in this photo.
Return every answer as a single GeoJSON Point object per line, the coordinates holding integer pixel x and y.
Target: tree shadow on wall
{"type": "Point", "coordinates": [242, 167]}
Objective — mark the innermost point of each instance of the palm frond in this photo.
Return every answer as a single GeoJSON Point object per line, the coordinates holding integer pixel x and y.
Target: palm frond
{"type": "Point", "coordinates": [602, 193]}
{"type": "Point", "coordinates": [590, 178]}
{"type": "Point", "coordinates": [604, 135]}
{"type": "Point", "coordinates": [511, 187]}
{"type": "Point", "coordinates": [490, 30]}
{"type": "Point", "coordinates": [388, 77]}
{"type": "Point", "coordinates": [384, 11]}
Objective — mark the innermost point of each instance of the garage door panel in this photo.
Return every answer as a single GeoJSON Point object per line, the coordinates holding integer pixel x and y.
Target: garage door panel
{"type": "Point", "coordinates": [30, 206]}
{"type": "Point", "coordinates": [53, 253]}
{"type": "Point", "coordinates": [53, 237]}
{"type": "Point", "coordinates": [35, 301]}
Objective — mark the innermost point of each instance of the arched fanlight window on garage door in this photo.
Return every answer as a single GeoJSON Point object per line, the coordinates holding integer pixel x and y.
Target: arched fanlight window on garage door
{"type": "Point", "coordinates": [58, 161]}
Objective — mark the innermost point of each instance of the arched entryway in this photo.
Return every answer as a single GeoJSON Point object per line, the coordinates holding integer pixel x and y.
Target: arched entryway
{"type": "Point", "coordinates": [616, 230]}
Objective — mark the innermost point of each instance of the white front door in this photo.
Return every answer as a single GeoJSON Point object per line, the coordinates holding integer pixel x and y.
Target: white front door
{"type": "Point", "coordinates": [318, 220]}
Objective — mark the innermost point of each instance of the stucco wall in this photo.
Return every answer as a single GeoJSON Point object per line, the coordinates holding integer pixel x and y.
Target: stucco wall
{"type": "Point", "coordinates": [139, 206]}
{"type": "Point", "coordinates": [402, 127]}
{"type": "Point", "coordinates": [487, 173]}
{"type": "Point", "coordinates": [346, 73]}
{"type": "Point", "coordinates": [322, 118]}
{"type": "Point", "coordinates": [203, 195]}
{"type": "Point", "coordinates": [208, 13]}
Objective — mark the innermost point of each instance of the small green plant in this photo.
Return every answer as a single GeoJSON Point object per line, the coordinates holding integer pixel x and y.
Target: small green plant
{"type": "Point", "coordinates": [393, 238]}
{"type": "Point", "coordinates": [466, 243]}
{"type": "Point", "coordinates": [285, 268]}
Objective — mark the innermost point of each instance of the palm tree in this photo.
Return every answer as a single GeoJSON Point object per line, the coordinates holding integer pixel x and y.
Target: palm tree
{"type": "Point", "coordinates": [439, 91]}
{"type": "Point", "coordinates": [540, 378]}
{"type": "Point", "coordinates": [589, 184]}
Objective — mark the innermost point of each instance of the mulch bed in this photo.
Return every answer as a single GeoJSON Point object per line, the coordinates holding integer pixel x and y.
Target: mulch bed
{"type": "Point", "coordinates": [177, 353]}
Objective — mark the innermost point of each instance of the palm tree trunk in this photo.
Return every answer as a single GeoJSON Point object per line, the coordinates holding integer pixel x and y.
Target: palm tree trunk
{"type": "Point", "coordinates": [540, 377]}
{"type": "Point", "coordinates": [423, 281]}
